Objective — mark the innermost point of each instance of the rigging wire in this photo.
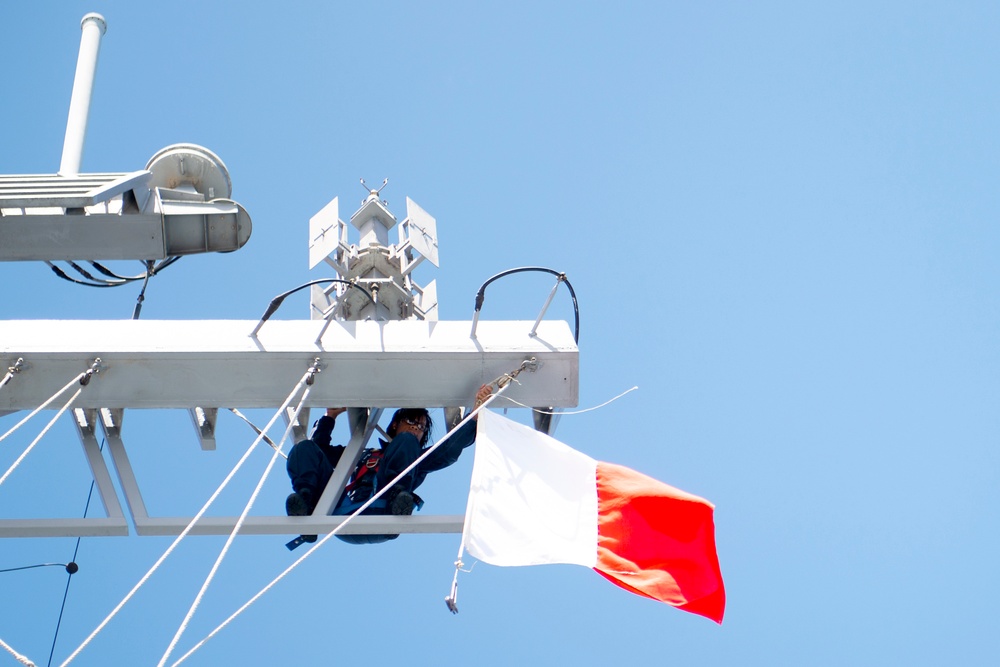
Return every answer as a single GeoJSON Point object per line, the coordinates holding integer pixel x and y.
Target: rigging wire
{"type": "Point", "coordinates": [72, 569]}
{"type": "Point", "coordinates": [79, 378]}
{"type": "Point", "coordinates": [29, 567]}
{"type": "Point", "coordinates": [40, 436]}
{"type": "Point", "coordinates": [24, 660]}
{"type": "Point", "coordinates": [572, 412]}
{"type": "Point", "coordinates": [236, 528]}
{"type": "Point", "coordinates": [187, 529]}
{"type": "Point", "coordinates": [258, 431]}
{"type": "Point", "coordinates": [502, 382]}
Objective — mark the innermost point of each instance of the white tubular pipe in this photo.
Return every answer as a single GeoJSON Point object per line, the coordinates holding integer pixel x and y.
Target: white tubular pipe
{"type": "Point", "coordinates": [93, 27]}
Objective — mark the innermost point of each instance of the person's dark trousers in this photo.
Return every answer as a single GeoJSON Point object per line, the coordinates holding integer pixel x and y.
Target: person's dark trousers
{"type": "Point", "coordinates": [308, 468]}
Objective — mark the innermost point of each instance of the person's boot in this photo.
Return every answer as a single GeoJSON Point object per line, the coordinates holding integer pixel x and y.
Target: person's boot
{"type": "Point", "coordinates": [401, 502]}
{"type": "Point", "coordinates": [301, 503]}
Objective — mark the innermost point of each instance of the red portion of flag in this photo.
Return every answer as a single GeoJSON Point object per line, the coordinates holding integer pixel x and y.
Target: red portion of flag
{"type": "Point", "coordinates": [658, 541]}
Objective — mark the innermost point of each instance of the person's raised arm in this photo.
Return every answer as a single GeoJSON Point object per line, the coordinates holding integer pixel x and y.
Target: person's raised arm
{"type": "Point", "coordinates": [324, 427]}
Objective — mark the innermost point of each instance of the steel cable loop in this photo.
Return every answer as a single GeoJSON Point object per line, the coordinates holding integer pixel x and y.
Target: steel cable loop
{"type": "Point", "coordinates": [24, 660]}
{"type": "Point", "coordinates": [78, 378]}
{"type": "Point", "coordinates": [40, 436]}
{"type": "Point", "coordinates": [347, 520]}
{"type": "Point", "coordinates": [187, 529]}
{"type": "Point", "coordinates": [236, 529]}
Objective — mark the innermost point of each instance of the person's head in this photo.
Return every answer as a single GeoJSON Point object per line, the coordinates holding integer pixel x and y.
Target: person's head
{"type": "Point", "coordinates": [411, 420]}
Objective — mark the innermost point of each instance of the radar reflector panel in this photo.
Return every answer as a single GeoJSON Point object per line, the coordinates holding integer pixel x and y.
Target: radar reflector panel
{"type": "Point", "coordinates": [325, 231]}
{"type": "Point", "coordinates": [422, 231]}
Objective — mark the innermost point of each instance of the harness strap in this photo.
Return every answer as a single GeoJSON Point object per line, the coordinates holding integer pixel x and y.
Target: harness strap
{"type": "Point", "coordinates": [368, 466]}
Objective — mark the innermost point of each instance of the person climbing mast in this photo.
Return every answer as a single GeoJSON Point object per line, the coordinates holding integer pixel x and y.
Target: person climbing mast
{"type": "Point", "coordinates": [311, 464]}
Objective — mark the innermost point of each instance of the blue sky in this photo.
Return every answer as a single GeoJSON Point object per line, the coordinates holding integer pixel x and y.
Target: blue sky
{"type": "Point", "coordinates": [780, 219]}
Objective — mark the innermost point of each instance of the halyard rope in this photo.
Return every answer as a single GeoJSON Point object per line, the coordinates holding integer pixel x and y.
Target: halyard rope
{"type": "Point", "coordinates": [190, 525]}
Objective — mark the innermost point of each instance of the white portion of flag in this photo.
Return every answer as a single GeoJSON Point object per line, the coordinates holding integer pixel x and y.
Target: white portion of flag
{"type": "Point", "coordinates": [533, 500]}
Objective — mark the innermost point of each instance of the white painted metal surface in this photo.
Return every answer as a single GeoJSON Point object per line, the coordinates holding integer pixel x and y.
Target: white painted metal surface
{"type": "Point", "coordinates": [184, 364]}
{"type": "Point", "coordinates": [93, 27]}
{"type": "Point", "coordinates": [377, 342]}
{"type": "Point", "coordinates": [421, 228]}
{"type": "Point", "coordinates": [55, 190]}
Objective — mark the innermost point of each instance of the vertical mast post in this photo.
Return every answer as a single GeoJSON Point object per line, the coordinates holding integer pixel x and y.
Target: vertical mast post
{"type": "Point", "coordinates": [93, 26]}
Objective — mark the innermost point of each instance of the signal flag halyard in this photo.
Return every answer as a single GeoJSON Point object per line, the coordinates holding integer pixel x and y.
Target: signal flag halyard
{"type": "Point", "coordinates": [534, 500]}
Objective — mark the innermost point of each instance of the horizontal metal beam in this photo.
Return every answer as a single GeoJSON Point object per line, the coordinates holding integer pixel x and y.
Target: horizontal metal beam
{"type": "Point", "coordinates": [96, 527]}
{"type": "Point", "coordinates": [211, 364]}
{"type": "Point", "coordinates": [304, 525]}
{"type": "Point", "coordinates": [254, 525]}
{"type": "Point", "coordinates": [96, 236]}
{"type": "Point", "coordinates": [181, 228]}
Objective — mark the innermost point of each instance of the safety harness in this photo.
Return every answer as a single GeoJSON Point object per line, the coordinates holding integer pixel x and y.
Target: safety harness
{"type": "Point", "coordinates": [364, 477]}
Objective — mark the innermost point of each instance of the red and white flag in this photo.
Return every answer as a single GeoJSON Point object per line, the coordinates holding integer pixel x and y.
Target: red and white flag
{"type": "Point", "coordinates": [534, 500]}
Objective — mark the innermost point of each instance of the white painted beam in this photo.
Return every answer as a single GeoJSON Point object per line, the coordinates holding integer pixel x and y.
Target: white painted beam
{"type": "Point", "coordinates": [304, 525]}
{"type": "Point", "coordinates": [204, 425]}
{"type": "Point", "coordinates": [86, 425]}
{"type": "Point", "coordinates": [94, 527]}
{"type": "Point", "coordinates": [186, 364]}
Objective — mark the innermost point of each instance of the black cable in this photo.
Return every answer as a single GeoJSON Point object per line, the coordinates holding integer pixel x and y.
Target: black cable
{"type": "Point", "coordinates": [481, 294]}
{"type": "Point", "coordinates": [151, 270]}
{"type": "Point", "coordinates": [86, 274]}
{"type": "Point", "coordinates": [62, 274]}
{"type": "Point", "coordinates": [276, 301]}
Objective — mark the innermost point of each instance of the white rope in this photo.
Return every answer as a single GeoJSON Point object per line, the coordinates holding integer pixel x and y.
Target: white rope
{"type": "Point", "coordinates": [40, 436]}
{"type": "Point", "coordinates": [24, 660]}
{"type": "Point", "coordinates": [236, 529]}
{"type": "Point", "coordinates": [573, 412]}
{"type": "Point", "coordinates": [43, 405]}
{"type": "Point", "coordinates": [4, 381]}
{"type": "Point", "coordinates": [188, 528]}
{"type": "Point", "coordinates": [336, 530]}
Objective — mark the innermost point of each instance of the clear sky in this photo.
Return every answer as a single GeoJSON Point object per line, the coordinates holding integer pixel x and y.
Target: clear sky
{"type": "Point", "coordinates": [781, 222]}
